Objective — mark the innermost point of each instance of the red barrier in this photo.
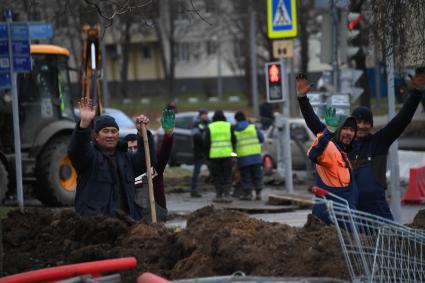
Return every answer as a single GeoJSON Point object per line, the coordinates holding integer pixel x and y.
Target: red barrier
{"type": "Point", "coordinates": [319, 192]}
{"type": "Point", "coordinates": [148, 277]}
{"type": "Point", "coordinates": [95, 268]}
{"type": "Point", "coordinates": [416, 190]}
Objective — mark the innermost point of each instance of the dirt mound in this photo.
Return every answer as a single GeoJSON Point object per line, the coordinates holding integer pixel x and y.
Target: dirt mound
{"type": "Point", "coordinates": [419, 220]}
{"type": "Point", "coordinates": [215, 242]}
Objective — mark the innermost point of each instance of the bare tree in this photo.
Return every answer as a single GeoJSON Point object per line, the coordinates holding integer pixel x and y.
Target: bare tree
{"type": "Point", "coordinates": [177, 21]}
{"type": "Point", "coordinates": [398, 26]}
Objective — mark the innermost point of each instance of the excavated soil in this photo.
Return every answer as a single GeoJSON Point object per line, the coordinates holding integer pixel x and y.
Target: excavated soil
{"type": "Point", "coordinates": [215, 242]}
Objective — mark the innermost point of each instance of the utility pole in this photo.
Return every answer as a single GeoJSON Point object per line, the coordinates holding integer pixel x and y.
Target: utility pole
{"type": "Point", "coordinates": [219, 78]}
{"type": "Point", "coordinates": [15, 109]}
{"type": "Point", "coordinates": [253, 49]}
{"type": "Point", "coordinates": [335, 26]}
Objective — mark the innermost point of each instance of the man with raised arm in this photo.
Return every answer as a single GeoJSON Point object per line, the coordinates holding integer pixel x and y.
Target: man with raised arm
{"type": "Point", "coordinates": [105, 168]}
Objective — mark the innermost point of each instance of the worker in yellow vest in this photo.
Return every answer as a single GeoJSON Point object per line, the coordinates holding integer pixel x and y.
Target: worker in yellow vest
{"type": "Point", "coordinates": [219, 144]}
{"type": "Point", "coordinates": [248, 149]}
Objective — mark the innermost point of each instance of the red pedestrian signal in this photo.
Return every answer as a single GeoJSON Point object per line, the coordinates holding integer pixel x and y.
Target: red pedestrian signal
{"type": "Point", "coordinates": [274, 73]}
{"type": "Point", "coordinates": [274, 85]}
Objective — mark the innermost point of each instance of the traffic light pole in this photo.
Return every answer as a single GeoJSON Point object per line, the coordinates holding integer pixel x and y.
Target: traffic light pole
{"type": "Point", "coordinates": [277, 87]}
{"type": "Point", "coordinates": [286, 138]}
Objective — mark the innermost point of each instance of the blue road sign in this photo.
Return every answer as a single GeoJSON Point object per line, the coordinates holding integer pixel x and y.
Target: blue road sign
{"type": "Point", "coordinates": [4, 48]}
{"type": "Point", "coordinates": [40, 30]}
{"type": "Point", "coordinates": [21, 48]}
{"type": "Point", "coordinates": [5, 80]}
{"type": "Point", "coordinates": [4, 64]}
{"type": "Point", "coordinates": [21, 64]}
{"type": "Point", "coordinates": [20, 31]}
{"type": "Point", "coordinates": [282, 18]}
{"type": "Point", "coordinates": [3, 32]}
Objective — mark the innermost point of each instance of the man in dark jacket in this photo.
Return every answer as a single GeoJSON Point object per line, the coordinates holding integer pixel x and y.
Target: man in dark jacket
{"type": "Point", "coordinates": [198, 135]}
{"type": "Point", "coordinates": [369, 151]}
{"type": "Point", "coordinates": [248, 150]}
{"type": "Point", "coordinates": [105, 168]}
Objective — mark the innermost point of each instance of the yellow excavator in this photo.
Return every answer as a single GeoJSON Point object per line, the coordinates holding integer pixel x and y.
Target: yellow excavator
{"type": "Point", "coordinates": [47, 119]}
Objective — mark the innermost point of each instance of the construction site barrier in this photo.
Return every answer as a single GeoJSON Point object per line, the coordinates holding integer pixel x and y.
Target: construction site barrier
{"type": "Point", "coordinates": [416, 190]}
{"type": "Point", "coordinates": [94, 268]}
{"type": "Point", "coordinates": [148, 277]}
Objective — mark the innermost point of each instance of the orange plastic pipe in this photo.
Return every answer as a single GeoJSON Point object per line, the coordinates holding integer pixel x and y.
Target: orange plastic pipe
{"type": "Point", "coordinates": [148, 277]}
{"type": "Point", "coordinates": [71, 270]}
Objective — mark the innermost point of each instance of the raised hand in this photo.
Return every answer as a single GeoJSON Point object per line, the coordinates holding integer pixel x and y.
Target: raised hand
{"type": "Point", "coordinates": [302, 85]}
{"type": "Point", "coordinates": [331, 120]}
{"type": "Point", "coordinates": [167, 121]}
{"type": "Point", "coordinates": [140, 120]}
{"type": "Point", "coordinates": [87, 111]}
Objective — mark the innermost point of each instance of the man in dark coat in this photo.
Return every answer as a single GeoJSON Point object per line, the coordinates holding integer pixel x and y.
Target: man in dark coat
{"type": "Point", "coordinates": [105, 168]}
{"type": "Point", "coordinates": [198, 135]}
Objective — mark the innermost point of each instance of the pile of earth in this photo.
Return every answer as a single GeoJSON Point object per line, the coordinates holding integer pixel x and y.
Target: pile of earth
{"type": "Point", "coordinates": [215, 242]}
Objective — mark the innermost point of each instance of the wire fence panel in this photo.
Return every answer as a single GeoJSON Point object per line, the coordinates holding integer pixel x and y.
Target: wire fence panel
{"type": "Point", "coordinates": [377, 249]}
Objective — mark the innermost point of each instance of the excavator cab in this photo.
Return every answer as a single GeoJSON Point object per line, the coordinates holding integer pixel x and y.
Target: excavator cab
{"type": "Point", "coordinates": [45, 93]}
{"type": "Point", "coordinates": [47, 119]}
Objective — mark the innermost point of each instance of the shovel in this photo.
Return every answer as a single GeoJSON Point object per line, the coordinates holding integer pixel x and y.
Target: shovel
{"type": "Point", "coordinates": [149, 172]}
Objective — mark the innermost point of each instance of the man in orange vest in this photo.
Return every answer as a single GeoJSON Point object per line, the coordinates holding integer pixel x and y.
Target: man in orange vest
{"type": "Point", "coordinates": [333, 167]}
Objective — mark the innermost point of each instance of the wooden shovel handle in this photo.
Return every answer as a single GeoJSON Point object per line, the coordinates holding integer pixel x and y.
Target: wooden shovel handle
{"type": "Point", "coordinates": [149, 172]}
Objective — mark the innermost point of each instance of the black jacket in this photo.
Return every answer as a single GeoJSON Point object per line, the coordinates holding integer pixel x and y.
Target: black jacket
{"type": "Point", "coordinates": [199, 130]}
{"type": "Point", "coordinates": [97, 178]}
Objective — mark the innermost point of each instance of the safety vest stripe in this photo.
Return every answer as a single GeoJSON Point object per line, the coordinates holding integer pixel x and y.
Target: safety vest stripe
{"type": "Point", "coordinates": [246, 144]}
{"type": "Point", "coordinates": [247, 138]}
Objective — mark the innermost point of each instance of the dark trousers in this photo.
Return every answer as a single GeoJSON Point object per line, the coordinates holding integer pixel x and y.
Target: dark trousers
{"type": "Point", "coordinates": [252, 178]}
{"type": "Point", "coordinates": [221, 171]}
{"type": "Point", "coordinates": [195, 174]}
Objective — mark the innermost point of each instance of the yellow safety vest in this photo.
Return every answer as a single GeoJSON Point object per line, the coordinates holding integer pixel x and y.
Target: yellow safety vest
{"type": "Point", "coordinates": [221, 139]}
{"type": "Point", "coordinates": [247, 142]}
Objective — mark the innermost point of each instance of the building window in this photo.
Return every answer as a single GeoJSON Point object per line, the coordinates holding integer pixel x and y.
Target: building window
{"type": "Point", "coordinates": [211, 47]}
{"type": "Point", "coordinates": [195, 50]}
{"type": "Point", "coordinates": [182, 52]}
{"type": "Point", "coordinates": [146, 53]}
{"type": "Point", "coordinates": [238, 49]}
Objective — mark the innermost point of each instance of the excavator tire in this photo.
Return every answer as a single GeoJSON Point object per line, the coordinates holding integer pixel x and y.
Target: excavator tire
{"type": "Point", "coordinates": [4, 181]}
{"type": "Point", "coordinates": [56, 178]}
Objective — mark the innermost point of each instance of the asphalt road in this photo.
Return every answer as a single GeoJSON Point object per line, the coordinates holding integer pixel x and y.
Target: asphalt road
{"type": "Point", "coordinates": [182, 204]}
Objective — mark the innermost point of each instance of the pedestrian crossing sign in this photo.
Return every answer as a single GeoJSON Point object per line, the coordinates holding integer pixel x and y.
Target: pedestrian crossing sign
{"type": "Point", "coordinates": [282, 18]}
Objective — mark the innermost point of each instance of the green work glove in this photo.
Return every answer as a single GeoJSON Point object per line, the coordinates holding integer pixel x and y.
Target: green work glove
{"type": "Point", "coordinates": [331, 119]}
{"type": "Point", "coordinates": [167, 121]}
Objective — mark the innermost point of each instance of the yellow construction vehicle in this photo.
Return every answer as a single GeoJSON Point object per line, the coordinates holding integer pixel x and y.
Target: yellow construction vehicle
{"type": "Point", "coordinates": [47, 120]}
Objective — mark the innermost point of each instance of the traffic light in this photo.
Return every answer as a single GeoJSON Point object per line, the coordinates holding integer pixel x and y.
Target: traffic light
{"type": "Point", "coordinates": [350, 41]}
{"type": "Point", "coordinates": [274, 84]}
